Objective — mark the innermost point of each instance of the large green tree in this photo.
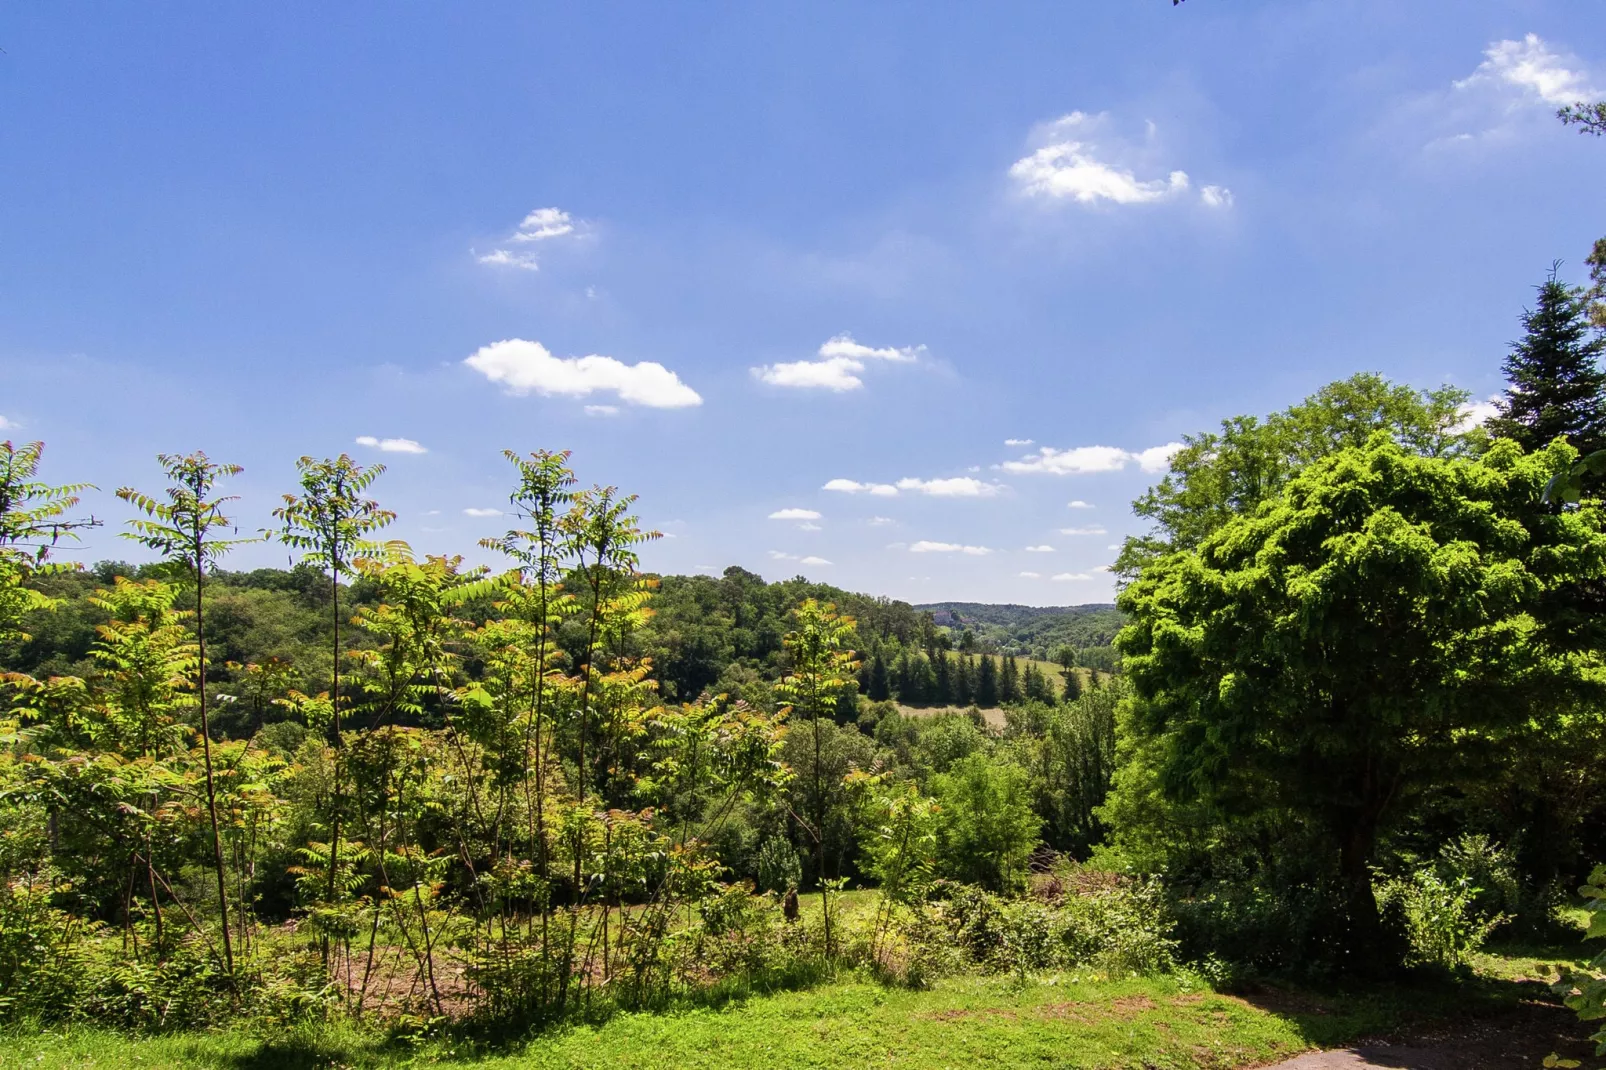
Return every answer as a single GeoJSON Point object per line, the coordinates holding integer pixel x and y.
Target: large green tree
{"type": "Point", "coordinates": [1557, 387]}
{"type": "Point", "coordinates": [1218, 475]}
{"type": "Point", "coordinates": [1368, 634]}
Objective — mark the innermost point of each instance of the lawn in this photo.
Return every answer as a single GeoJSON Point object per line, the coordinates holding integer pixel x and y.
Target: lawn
{"type": "Point", "coordinates": [1052, 1021]}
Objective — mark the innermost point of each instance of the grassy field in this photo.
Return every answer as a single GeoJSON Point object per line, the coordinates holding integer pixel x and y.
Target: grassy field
{"type": "Point", "coordinates": [1175, 1023]}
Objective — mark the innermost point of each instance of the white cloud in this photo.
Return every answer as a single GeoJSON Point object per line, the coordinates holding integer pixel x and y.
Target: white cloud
{"type": "Point", "coordinates": [1030, 575]}
{"type": "Point", "coordinates": [602, 410]}
{"type": "Point", "coordinates": [1216, 197]}
{"type": "Point", "coordinates": [1533, 70]}
{"type": "Point", "coordinates": [705, 568]}
{"type": "Point", "coordinates": [843, 347]}
{"type": "Point", "coordinates": [1087, 459]}
{"type": "Point", "coordinates": [809, 526]}
{"type": "Point", "coordinates": [1158, 458]}
{"type": "Point", "coordinates": [840, 360]}
{"type": "Point", "coordinates": [1043, 549]}
{"type": "Point", "coordinates": [1062, 576]}
{"type": "Point", "coordinates": [1068, 166]}
{"type": "Point", "coordinates": [1091, 529]}
{"type": "Point", "coordinates": [1104, 568]}
{"type": "Point", "coordinates": [472, 511]}
{"type": "Point", "coordinates": [814, 561]}
{"type": "Point", "coordinates": [1077, 504]}
{"type": "Point", "coordinates": [925, 546]}
{"type": "Point", "coordinates": [1017, 442]}
{"type": "Point", "coordinates": [956, 487]}
{"type": "Point", "coordinates": [1475, 414]}
{"type": "Point", "coordinates": [1078, 461]}
{"type": "Point", "coordinates": [795, 514]}
{"type": "Point", "coordinates": [851, 486]}
{"type": "Point", "coordinates": [523, 367]}
{"type": "Point", "coordinates": [782, 555]}
{"type": "Point", "coordinates": [880, 521]}
{"type": "Point", "coordinates": [505, 258]}
{"type": "Point", "coordinates": [6, 425]}
{"type": "Point", "coordinates": [391, 445]}
{"type": "Point", "coordinates": [544, 223]}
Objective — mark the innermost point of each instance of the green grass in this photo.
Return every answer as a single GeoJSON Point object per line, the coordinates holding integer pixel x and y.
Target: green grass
{"type": "Point", "coordinates": [1064, 1021]}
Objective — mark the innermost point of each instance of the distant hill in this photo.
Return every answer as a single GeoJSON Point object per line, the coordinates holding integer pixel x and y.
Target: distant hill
{"type": "Point", "coordinates": [1034, 631]}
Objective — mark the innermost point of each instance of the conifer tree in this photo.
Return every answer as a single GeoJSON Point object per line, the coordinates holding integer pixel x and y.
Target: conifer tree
{"type": "Point", "coordinates": [987, 683]}
{"type": "Point", "coordinates": [943, 686]}
{"type": "Point", "coordinates": [1557, 387]}
{"type": "Point", "coordinates": [880, 688]}
{"type": "Point", "coordinates": [964, 681]}
{"type": "Point", "coordinates": [1073, 685]}
{"type": "Point", "coordinates": [1009, 693]}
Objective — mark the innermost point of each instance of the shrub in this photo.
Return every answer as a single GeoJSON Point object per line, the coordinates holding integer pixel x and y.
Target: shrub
{"type": "Point", "coordinates": [1440, 917]}
{"type": "Point", "coordinates": [779, 868]}
{"type": "Point", "coordinates": [986, 827]}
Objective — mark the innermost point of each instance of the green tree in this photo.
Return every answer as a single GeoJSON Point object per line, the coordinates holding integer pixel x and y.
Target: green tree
{"type": "Point", "coordinates": [1219, 475]}
{"type": "Point", "coordinates": [33, 522]}
{"type": "Point", "coordinates": [986, 695]}
{"type": "Point", "coordinates": [1009, 692]}
{"type": "Point", "coordinates": [182, 529]}
{"type": "Point", "coordinates": [880, 688]}
{"type": "Point", "coordinates": [986, 827]}
{"type": "Point", "coordinates": [332, 524]}
{"type": "Point", "coordinates": [820, 650]}
{"type": "Point", "coordinates": [1557, 387]}
{"type": "Point", "coordinates": [1367, 636]}
{"type": "Point", "coordinates": [1072, 689]}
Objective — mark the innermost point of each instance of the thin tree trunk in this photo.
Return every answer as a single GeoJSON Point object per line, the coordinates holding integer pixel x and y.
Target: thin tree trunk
{"type": "Point", "coordinates": [206, 757]}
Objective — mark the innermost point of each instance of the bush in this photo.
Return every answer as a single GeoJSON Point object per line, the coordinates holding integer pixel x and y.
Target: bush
{"type": "Point", "coordinates": [779, 868]}
{"type": "Point", "coordinates": [1440, 917]}
{"type": "Point", "coordinates": [986, 827]}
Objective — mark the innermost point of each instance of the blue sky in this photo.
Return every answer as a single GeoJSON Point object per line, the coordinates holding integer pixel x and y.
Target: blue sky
{"type": "Point", "coordinates": [805, 279]}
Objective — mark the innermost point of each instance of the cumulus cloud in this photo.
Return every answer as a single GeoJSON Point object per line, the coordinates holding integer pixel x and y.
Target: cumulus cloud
{"type": "Point", "coordinates": [1475, 414]}
{"type": "Point", "coordinates": [1083, 460]}
{"type": "Point", "coordinates": [1062, 576]}
{"type": "Point", "coordinates": [472, 511]}
{"type": "Point", "coordinates": [795, 514]}
{"type": "Point", "coordinates": [1030, 575]}
{"type": "Point", "coordinates": [1076, 161]}
{"type": "Point", "coordinates": [1158, 458]}
{"type": "Point", "coordinates": [1017, 442]}
{"type": "Point", "coordinates": [853, 486]}
{"type": "Point", "coordinates": [782, 555]}
{"type": "Point", "coordinates": [956, 487]}
{"type": "Point", "coordinates": [1077, 504]}
{"type": "Point", "coordinates": [838, 364]}
{"type": "Point", "coordinates": [391, 445]}
{"type": "Point", "coordinates": [1091, 529]}
{"type": "Point", "coordinates": [1045, 548]}
{"type": "Point", "coordinates": [602, 410]}
{"type": "Point", "coordinates": [543, 224]}
{"type": "Point", "coordinates": [925, 546]}
{"type": "Point", "coordinates": [880, 521]}
{"type": "Point", "coordinates": [811, 560]}
{"type": "Point", "coordinates": [524, 367]}
{"type": "Point", "coordinates": [1534, 71]}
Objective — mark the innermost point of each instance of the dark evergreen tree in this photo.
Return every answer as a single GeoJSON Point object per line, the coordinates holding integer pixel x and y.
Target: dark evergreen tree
{"type": "Point", "coordinates": [1073, 686]}
{"type": "Point", "coordinates": [1557, 387]}
{"type": "Point", "coordinates": [880, 687]}
{"type": "Point", "coordinates": [964, 681]}
{"type": "Point", "coordinates": [1009, 693]}
{"type": "Point", "coordinates": [1035, 686]}
{"type": "Point", "coordinates": [942, 690]}
{"type": "Point", "coordinates": [987, 683]}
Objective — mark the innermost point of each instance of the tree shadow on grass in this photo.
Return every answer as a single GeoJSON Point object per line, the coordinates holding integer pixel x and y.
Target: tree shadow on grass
{"type": "Point", "coordinates": [1430, 1023]}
